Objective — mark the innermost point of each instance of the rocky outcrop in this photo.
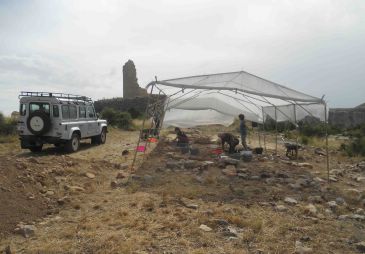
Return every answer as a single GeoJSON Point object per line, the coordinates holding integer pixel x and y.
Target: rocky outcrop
{"type": "Point", "coordinates": [347, 117]}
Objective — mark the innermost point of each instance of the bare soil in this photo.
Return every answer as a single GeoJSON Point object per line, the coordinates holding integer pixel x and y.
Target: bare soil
{"type": "Point", "coordinates": [159, 208]}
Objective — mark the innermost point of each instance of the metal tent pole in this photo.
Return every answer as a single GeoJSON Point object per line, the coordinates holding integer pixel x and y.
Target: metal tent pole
{"type": "Point", "coordinates": [296, 136]}
{"type": "Point", "coordinates": [153, 111]}
{"type": "Point", "coordinates": [143, 123]}
{"type": "Point", "coordinates": [163, 114]}
{"type": "Point", "coordinates": [276, 132]}
{"type": "Point", "coordinates": [263, 128]}
{"type": "Point", "coordinates": [327, 154]}
{"type": "Point", "coordinates": [258, 133]}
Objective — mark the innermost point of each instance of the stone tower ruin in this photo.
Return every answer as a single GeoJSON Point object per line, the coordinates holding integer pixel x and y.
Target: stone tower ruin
{"type": "Point", "coordinates": [131, 88]}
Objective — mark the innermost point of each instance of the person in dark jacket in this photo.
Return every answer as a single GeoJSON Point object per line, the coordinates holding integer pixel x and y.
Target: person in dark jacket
{"type": "Point", "coordinates": [182, 139]}
{"type": "Point", "coordinates": [230, 139]}
{"type": "Point", "coordinates": [243, 131]}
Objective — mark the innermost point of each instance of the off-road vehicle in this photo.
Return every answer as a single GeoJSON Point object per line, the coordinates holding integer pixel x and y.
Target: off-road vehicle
{"type": "Point", "coordinates": [59, 119]}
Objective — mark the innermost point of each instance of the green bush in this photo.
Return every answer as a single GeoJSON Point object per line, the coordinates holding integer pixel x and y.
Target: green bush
{"type": "Point", "coordinates": [270, 125]}
{"type": "Point", "coordinates": [134, 113]}
{"type": "Point", "coordinates": [110, 115]}
{"type": "Point", "coordinates": [118, 119]}
{"type": "Point", "coordinates": [7, 125]}
{"type": "Point", "coordinates": [357, 145]}
{"type": "Point", "coordinates": [317, 129]}
{"type": "Point", "coordinates": [304, 140]}
{"type": "Point", "coordinates": [124, 121]}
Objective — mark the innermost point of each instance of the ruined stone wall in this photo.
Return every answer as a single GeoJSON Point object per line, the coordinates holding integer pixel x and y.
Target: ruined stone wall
{"type": "Point", "coordinates": [131, 88]}
{"type": "Point", "coordinates": [123, 104]}
{"type": "Point", "coordinates": [347, 117]}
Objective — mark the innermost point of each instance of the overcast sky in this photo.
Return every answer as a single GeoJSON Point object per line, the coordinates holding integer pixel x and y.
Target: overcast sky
{"type": "Point", "coordinates": [317, 46]}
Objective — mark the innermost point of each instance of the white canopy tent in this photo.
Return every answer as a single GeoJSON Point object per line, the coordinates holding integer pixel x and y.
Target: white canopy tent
{"type": "Point", "coordinates": [219, 98]}
{"type": "Point", "coordinates": [230, 94]}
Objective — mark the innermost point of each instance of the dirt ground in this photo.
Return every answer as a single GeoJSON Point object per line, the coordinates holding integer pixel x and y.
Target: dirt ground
{"type": "Point", "coordinates": [91, 202]}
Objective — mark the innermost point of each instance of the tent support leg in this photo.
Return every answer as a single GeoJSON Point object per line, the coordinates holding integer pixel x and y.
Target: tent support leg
{"type": "Point", "coordinates": [263, 128]}
{"type": "Point", "coordinates": [163, 114]}
{"type": "Point", "coordinates": [276, 133]}
{"type": "Point", "coordinates": [153, 112]}
{"type": "Point", "coordinates": [327, 154]}
{"type": "Point", "coordinates": [297, 134]}
{"type": "Point", "coordinates": [143, 123]}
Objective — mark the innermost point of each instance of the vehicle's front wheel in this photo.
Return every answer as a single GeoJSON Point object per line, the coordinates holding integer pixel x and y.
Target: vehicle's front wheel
{"type": "Point", "coordinates": [100, 139]}
{"type": "Point", "coordinates": [73, 144]}
{"type": "Point", "coordinates": [36, 149]}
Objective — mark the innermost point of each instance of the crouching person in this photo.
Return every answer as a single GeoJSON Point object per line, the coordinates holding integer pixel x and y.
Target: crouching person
{"type": "Point", "coordinates": [230, 139]}
{"type": "Point", "coordinates": [181, 138]}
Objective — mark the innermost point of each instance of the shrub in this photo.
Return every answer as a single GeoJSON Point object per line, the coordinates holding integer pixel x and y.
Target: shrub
{"type": "Point", "coordinates": [118, 119]}
{"type": "Point", "coordinates": [270, 125]}
{"type": "Point", "coordinates": [357, 145]}
{"type": "Point", "coordinates": [7, 125]}
{"type": "Point", "coordinates": [304, 140]}
{"type": "Point", "coordinates": [134, 113]}
{"type": "Point", "coordinates": [110, 115]}
{"type": "Point", "coordinates": [124, 120]}
{"type": "Point", "coordinates": [317, 129]}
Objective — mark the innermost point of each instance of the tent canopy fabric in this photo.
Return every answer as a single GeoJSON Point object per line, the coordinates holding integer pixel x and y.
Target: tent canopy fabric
{"type": "Point", "coordinates": [229, 94]}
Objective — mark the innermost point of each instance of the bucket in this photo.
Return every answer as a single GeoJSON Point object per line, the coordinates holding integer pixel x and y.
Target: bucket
{"type": "Point", "coordinates": [246, 156]}
{"type": "Point", "coordinates": [194, 151]}
{"type": "Point", "coordinates": [258, 150]}
{"type": "Point", "coordinates": [152, 140]}
{"type": "Point", "coordinates": [216, 151]}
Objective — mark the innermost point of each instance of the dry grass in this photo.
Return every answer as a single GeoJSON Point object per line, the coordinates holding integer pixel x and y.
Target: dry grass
{"type": "Point", "coordinates": [148, 218]}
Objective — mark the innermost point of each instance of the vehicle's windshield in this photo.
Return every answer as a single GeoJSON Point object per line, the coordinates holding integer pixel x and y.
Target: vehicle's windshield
{"type": "Point", "coordinates": [42, 106]}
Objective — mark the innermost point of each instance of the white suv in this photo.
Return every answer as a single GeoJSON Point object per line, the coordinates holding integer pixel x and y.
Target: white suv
{"type": "Point", "coordinates": [59, 119]}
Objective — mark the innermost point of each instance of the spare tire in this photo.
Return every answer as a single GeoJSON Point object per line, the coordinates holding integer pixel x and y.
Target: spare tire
{"type": "Point", "coordinates": [38, 122]}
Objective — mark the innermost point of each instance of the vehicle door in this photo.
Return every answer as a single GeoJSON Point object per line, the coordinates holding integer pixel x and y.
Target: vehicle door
{"type": "Point", "coordinates": [92, 121]}
{"type": "Point", "coordinates": [83, 122]}
{"type": "Point", "coordinates": [56, 121]}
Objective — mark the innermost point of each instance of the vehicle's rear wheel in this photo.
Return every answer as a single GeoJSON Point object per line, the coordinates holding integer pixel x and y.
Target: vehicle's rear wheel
{"type": "Point", "coordinates": [73, 144]}
{"type": "Point", "coordinates": [100, 139]}
{"type": "Point", "coordinates": [36, 149]}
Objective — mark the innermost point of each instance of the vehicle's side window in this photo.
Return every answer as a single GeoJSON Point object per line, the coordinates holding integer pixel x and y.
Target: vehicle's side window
{"type": "Point", "coordinates": [23, 109]}
{"type": "Point", "coordinates": [56, 111]}
{"type": "Point", "coordinates": [82, 112]}
{"type": "Point", "coordinates": [65, 112]}
{"type": "Point", "coordinates": [73, 112]}
{"type": "Point", "coordinates": [90, 112]}
{"type": "Point", "coordinates": [42, 106]}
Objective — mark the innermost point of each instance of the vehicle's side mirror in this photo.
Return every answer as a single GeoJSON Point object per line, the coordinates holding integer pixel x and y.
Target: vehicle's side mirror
{"type": "Point", "coordinates": [97, 115]}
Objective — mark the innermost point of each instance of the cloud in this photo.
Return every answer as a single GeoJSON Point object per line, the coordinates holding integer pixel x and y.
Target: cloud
{"type": "Point", "coordinates": [81, 46]}
{"type": "Point", "coordinates": [38, 73]}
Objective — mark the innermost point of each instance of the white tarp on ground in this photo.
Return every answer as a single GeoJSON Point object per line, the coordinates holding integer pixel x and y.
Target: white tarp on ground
{"type": "Point", "coordinates": [191, 100]}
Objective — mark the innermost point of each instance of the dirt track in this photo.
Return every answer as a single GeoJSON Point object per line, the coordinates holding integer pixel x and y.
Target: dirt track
{"type": "Point", "coordinates": [160, 208]}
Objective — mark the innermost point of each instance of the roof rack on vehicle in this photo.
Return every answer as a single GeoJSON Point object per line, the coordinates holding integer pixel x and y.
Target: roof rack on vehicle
{"type": "Point", "coordinates": [60, 96]}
